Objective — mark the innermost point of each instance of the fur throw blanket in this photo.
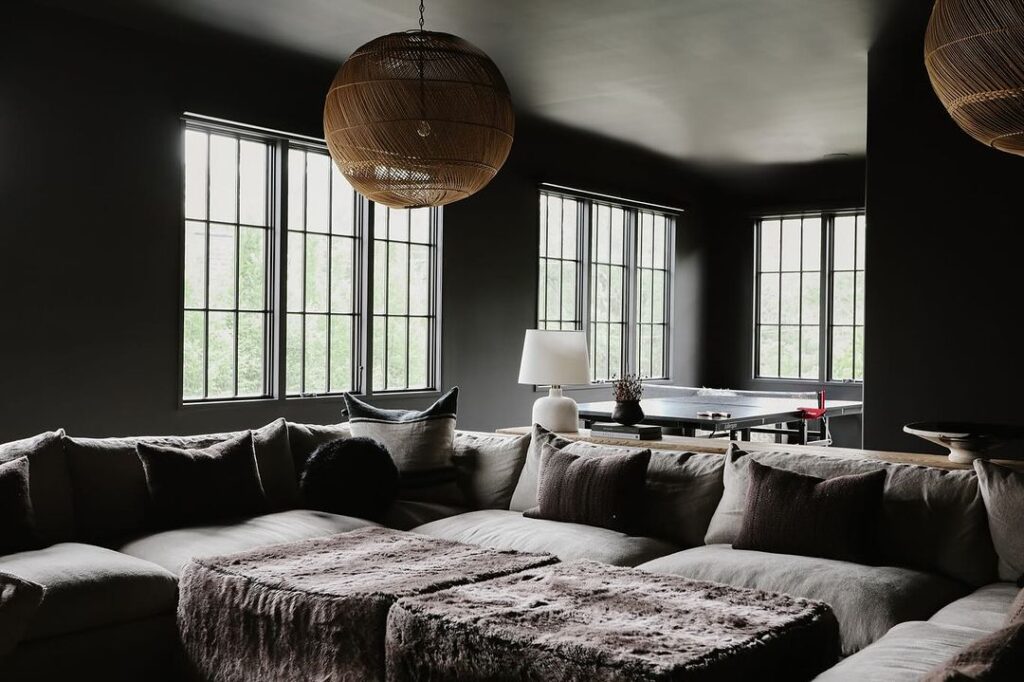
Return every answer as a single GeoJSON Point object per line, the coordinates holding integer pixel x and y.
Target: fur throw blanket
{"type": "Point", "coordinates": [317, 609]}
{"type": "Point", "coordinates": [591, 622]}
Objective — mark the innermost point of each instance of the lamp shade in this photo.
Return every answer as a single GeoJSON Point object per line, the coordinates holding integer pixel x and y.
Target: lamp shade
{"type": "Point", "coordinates": [418, 118]}
{"type": "Point", "coordinates": [553, 357]}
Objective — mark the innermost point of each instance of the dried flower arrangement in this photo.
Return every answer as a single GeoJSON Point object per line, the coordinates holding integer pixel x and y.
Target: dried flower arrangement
{"type": "Point", "coordinates": [627, 388]}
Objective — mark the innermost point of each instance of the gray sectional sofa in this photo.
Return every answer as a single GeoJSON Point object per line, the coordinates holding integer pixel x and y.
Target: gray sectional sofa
{"type": "Point", "coordinates": [111, 586]}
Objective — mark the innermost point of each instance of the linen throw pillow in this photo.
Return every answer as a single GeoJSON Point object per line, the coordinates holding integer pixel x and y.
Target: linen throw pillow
{"type": "Point", "coordinates": [997, 657]}
{"type": "Point", "coordinates": [488, 468]}
{"type": "Point", "coordinates": [17, 528]}
{"type": "Point", "coordinates": [49, 484]}
{"type": "Point", "coordinates": [19, 599]}
{"type": "Point", "coordinates": [789, 513]}
{"type": "Point", "coordinates": [193, 487]}
{"type": "Point", "coordinates": [421, 444]}
{"type": "Point", "coordinates": [1003, 491]}
{"type": "Point", "coordinates": [605, 491]}
{"type": "Point", "coordinates": [525, 495]}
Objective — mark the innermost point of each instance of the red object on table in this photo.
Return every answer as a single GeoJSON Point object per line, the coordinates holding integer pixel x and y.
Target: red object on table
{"type": "Point", "coordinates": [815, 412]}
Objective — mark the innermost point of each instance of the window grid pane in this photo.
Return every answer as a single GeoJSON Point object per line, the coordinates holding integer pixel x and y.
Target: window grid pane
{"type": "Point", "coordinates": [405, 299]}
{"type": "Point", "coordinates": [653, 277]}
{"type": "Point", "coordinates": [228, 252]}
{"type": "Point", "coordinates": [788, 297]}
{"type": "Point", "coordinates": [558, 305]}
{"type": "Point", "coordinates": [846, 330]}
{"type": "Point", "coordinates": [323, 277]}
{"type": "Point", "coordinates": [608, 288]}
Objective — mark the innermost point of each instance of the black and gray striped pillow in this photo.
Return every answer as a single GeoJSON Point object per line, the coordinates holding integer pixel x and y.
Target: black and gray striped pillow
{"type": "Point", "coordinates": [421, 443]}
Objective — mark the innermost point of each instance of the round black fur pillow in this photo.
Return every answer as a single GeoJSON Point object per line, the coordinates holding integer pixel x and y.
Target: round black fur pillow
{"type": "Point", "coordinates": [352, 477]}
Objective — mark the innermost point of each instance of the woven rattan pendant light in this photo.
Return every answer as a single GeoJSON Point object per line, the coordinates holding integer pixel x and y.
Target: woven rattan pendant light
{"type": "Point", "coordinates": [974, 53]}
{"type": "Point", "coordinates": [418, 118]}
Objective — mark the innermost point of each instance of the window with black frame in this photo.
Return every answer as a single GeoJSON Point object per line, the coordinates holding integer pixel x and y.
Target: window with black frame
{"type": "Point", "coordinates": [616, 256]}
{"type": "Point", "coordinates": [249, 192]}
{"type": "Point", "coordinates": [226, 340]}
{"type": "Point", "coordinates": [809, 276]}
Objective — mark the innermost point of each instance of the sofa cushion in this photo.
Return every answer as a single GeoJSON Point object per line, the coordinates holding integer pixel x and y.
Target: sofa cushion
{"type": "Point", "coordinates": [90, 587]}
{"type": "Point", "coordinates": [173, 548]}
{"type": "Point", "coordinates": [682, 488]}
{"type": "Point", "coordinates": [19, 599]}
{"type": "Point", "coordinates": [17, 528]}
{"type": "Point", "coordinates": [407, 514]}
{"type": "Point", "coordinates": [996, 657]}
{"type": "Point", "coordinates": [109, 483]}
{"type": "Point", "coordinates": [605, 491]}
{"type": "Point", "coordinates": [1003, 492]}
{"type": "Point", "coordinates": [49, 484]}
{"type": "Point", "coordinates": [932, 519]}
{"type": "Point", "coordinates": [834, 518]}
{"type": "Point", "coordinates": [503, 529]}
{"type": "Point", "coordinates": [867, 600]}
{"type": "Point", "coordinates": [906, 653]}
{"type": "Point", "coordinates": [985, 609]}
{"type": "Point", "coordinates": [488, 467]}
{"type": "Point", "coordinates": [305, 438]}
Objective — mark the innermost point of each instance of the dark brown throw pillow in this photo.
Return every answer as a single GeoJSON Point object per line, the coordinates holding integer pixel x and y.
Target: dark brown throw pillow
{"type": "Point", "coordinates": [596, 490]}
{"type": "Point", "coordinates": [997, 657]}
{"type": "Point", "coordinates": [17, 529]}
{"type": "Point", "coordinates": [193, 487]}
{"type": "Point", "coordinates": [790, 513]}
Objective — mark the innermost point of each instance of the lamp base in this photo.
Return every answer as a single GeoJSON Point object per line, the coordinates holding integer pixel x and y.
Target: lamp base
{"type": "Point", "coordinates": [557, 413]}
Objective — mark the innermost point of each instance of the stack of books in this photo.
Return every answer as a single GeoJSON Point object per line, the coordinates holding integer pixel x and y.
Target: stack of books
{"type": "Point", "coordinates": [637, 432]}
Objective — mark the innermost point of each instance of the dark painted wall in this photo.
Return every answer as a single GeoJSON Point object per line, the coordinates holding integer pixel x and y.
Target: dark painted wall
{"type": "Point", "coordinates": [944, 247]}
{"type": "Point", "coordinates": [745, 192]}
{"type": "Point", "coordinates": [90, 190]}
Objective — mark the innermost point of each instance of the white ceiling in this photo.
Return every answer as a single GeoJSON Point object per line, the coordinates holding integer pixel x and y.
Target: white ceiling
{"type": "Point", "coordinates": [723, 81]}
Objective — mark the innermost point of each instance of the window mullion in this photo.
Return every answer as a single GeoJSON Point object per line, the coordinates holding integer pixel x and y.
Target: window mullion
{"type": "Point", "coordinates": [631, 341]}
{"type": "Point", "coordinates": [279, 235]}
{"type": "Point", "coordinates": [825, 302]}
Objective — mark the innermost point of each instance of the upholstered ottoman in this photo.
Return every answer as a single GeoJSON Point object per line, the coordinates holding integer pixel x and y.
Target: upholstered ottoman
{"type": "Point", "coordinates": [588, 621]}
{"type": "Point", "coordinates": [317, 609]}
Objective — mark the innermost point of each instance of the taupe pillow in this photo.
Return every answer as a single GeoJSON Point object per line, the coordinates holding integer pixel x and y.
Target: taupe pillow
{"type": "Point", "coordinates": [488, 468]}
{"type": "Point", "coordinates": [17, 527]}
{"type": "Point", "coordinates": [835, 518]}
{"type": "Point", "coordinates": [303, 439]}
{"type": "Point", "coordinates": [525, 495]}
{"type": "Point", "coordinates": [197, 487]}
{"type": "Point", "coordinates": [605, 491]}
{"type": "Point", "coordinates": [1003, 492]}
{"type": "Point", "coordinates": [49, 484]}
{"type": "Point", "coordinates": [420, 442]}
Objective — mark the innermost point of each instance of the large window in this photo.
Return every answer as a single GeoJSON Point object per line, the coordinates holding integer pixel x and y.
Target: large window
{"type": "Point", "coordinates": [249, 193]}
{"type": "Point", "coordinates": [809, 321]}
{"type": "Point", "coordinates": [228, 247]}
{"type": "Point", "coordinates": [616, 257]}
{"type": "Point", "coordinates": [405, 303]}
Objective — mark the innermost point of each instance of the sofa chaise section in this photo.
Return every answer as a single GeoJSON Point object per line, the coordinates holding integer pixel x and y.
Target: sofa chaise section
{"type": "Point", "coordinates": [503, 529]}
{"type": "Point", "coordinates": [910, 650]}
{"type": "Point", "coordinates": [867, 600]}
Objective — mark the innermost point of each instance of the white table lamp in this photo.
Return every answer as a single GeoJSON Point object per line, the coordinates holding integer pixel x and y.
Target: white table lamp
{"type": "Point", "coordinates": [557, 359]}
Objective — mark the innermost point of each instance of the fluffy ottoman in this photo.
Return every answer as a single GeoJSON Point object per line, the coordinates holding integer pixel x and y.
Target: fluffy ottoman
{"type": "Point", "coordinates": [588, 621]}
{"type": "Point", "coordinates": [317, 609]}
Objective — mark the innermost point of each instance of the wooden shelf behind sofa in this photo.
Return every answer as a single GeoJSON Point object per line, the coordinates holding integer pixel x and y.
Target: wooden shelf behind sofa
{"type": "Point", "coordinates": [721, 446]}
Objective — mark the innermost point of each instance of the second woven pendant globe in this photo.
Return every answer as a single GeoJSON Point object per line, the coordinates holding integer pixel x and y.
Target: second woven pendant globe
{"type": "Point", "coordinates": [418, 118]}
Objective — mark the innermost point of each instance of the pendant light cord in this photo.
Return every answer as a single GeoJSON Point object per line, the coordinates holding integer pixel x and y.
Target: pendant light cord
{"type": "Point", "coordinates": [421, 15]}
{"type": "Point", "coordinates": [424, 128]}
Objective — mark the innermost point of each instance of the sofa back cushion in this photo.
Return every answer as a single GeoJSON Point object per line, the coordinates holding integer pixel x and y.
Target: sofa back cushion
{"type": "Point", "coordinates": [488, 467]}
{"type": "Point", "coordinates": [932, 519]}
{"type": "Point", "coordinates": [17, 528]}
{"type": "Point", "coordinates": [1003, 492]}
{"type": "Point", "coordinates": [49, 484]}
{"type": "Point", "coordinates": [681, 492]}
{"type": "Point", "coordinates": [305, 438]}
{"type": "Point", "coordinates": [109, 483]}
